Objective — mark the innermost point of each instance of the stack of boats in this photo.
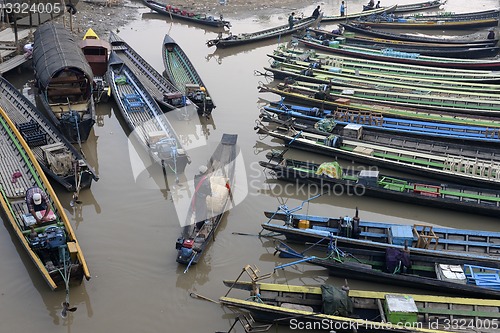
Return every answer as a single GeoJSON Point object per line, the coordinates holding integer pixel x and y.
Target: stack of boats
{"type": "Point", "coordinates": [421, 106]}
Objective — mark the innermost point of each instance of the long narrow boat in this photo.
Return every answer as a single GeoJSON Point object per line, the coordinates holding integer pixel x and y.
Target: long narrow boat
{"type": "Point", "coordinates": [334, 309]}
{"type": "Point", "coordinates": [384, 68]}
{"type": "Point", "coordinates": [419, 6]}
{"type": "Point", "coordinates": [276, 32]}
{"type": "Point", "coordinates": [182, 73]}
{"type": "Point", "coordinates": [195, 237]}
{"type": "Point", "coordinates": [399, 267]}
{"type": "Point", "coordinates": [52, 246]}
{"type": "Point", "coordinates": [366, 31]}
{"type": "Point", "coordinates": [318, 71]}
{"type": "Point", "coordinates": [145, 118]}
{"type": "Point", "coordinates": [442, 166]}
{"type": "Point", "coordinates": [369, 110]}
{"type": "Point", "coordinates": [389, 55]}
{"type": "Point", "coordinates": [54, 153]}
{"type": "Point", "coordinates": [480, 246]}
{"type": "Point", "coordinates": [186, 15]}
{"type": "Point", "coordinates": [65, 81]}
{"type": "Point", "coordinates": [350, 16]}
{"type": "Point", "coordinates": [330, 175]}
{"type": "Point", "coordinates": [314, 116]}
{"type": "Point", "coordinates": [164, 92]}
{"type": "Point", "coordinates": [447, 16]}
{"type": "Point", "coordinates": [402, 23]}
{"type": "Point", "coordinates": [96, 51]}
{"type": "Point", "coordinates": [317, 74]}
{"type": "Point", "coordinates": [464, 51]}
{"type": "Point", "coordinates": [399, 96]}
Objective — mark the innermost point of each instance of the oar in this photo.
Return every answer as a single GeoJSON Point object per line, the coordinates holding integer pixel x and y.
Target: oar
{"type": "Point", "coordinates": [66, 276]}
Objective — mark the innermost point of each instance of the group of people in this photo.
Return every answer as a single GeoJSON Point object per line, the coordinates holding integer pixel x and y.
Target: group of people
{"type": "Point", "coordinates": [317, 12]}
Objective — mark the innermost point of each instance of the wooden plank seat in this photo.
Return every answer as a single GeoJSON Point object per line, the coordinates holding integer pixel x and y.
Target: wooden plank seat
{"type": "Point", "coordinates": [56, 92]}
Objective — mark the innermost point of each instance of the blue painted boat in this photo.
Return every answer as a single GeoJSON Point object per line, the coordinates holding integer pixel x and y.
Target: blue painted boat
{"type": "Point", "coordinates": [352, 232]}
{"type": "Point", "coordinates": [377, 122]}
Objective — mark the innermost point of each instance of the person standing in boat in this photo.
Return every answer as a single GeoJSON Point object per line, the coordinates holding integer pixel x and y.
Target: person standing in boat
{"type": "Point", "coordinates": [291, 20]}
{"type": "Point", "coordinates": [202, 190]}
{"type": "Point", "coordinates": [491, 34]}
{"type": "Point", "coordinates": [37, 201]}
{"type": "Point", "coordinates": [342, 9]}
{"type": "Point", "coordinates": [316, 12]}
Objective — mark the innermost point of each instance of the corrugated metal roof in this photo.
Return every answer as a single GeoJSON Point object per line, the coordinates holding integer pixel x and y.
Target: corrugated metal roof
{"type": "Point", "coordinates": [55, 50]}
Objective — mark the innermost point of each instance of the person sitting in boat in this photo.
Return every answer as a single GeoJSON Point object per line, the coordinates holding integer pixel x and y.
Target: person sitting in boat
{"type": "Point", "coordinates": [377, 5]}
{"type": "Point", "coordinates": [37, 201]}
{"type": "Point", "coordinates": [371, 4]}
{"type": "Point", "coordinates": [316, 12]}
{"type": "Point", "coordinates": [203, 189]}
{"type": "Point", "coordinates": [291, 20]}
{"type": "Point", "coordinates": [491, 34]}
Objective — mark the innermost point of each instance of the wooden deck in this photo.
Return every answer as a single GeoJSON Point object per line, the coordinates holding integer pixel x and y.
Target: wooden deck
{"type": "Point", "coordinates": [12, 63]}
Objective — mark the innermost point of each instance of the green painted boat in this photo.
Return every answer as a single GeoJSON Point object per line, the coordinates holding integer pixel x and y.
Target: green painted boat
{"type": "Point", "coordinates": [438, 101]}
{"type": "Point", "coordinates": [441, 165]}
{"type": "Point", "coordinates": [346, 63]}
{"type": "Point", "coordinates": [307, 73]}
{"type": "Point", "coordinates": [354, 108]}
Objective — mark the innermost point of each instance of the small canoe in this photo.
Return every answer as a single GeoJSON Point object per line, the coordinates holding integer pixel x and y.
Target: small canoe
{"type": "Point", "coordinates": [331, 308]}
{"type": "Point", "coordinates": [276, 32]}
{"type": "Point", "coordinates": [145, 118]}
{"type": "Point", "coordinates": [52, 246]}
{"type": "Point", "coordinates": [199, 232]}
{"type": "Point", "coordinates": [164, 92]}
{"type": "Point", "coordinates": [55, 154]}
{"type": "Point", "coordinates": [186, 15]}
{"type": "Point", "coordinates": [182, 73]}
{"type": "Point", "coordinates": [353, 232]}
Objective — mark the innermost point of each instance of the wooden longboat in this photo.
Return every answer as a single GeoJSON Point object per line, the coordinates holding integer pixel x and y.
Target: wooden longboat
{"type": "Point", "coordinates": [328, 129]}
{"type": "Point", "coordinates": [442, 274]}
{"type": "Point", "coordinates": [185, 15]}
{"type": "Point", "coordinates": [164, 92]}
{"type": "Point", "coordinates": [451, 16]}
{"type": "Point", "coordinates": [318, 71]}
{"type": "Point", "coordinates": [419, 6]}
{"type": "Point", "coordinates": [474, 200]}
{"type": "Point", "coordinates": [367, 31]}
{"type": "Point", "coordinates": [405, 57]}
{"type": "Point", "coordinates": [374, 111]}
{"type": "Point", "coordinates": [221, 170]}
{"type": "Point", "coordinates": [292, 72]}
{"type": "Point", "coordinates": [443, 166]}
{"type": "Point", "coordinates": [182, 73]}
{"type": "Point", "coordinates": [54, 153]}
{"type": "Point", "coordinates": [467, 51]}
{"type": "Point", "coordinates": [52, 246]}
{"type": "Point", "coordinates": [380, 23]}
{"type": "Point", "coordinates": [276, 32]}
{"type": "Point", "coordinates": [65, 81]}
{"type": "Point", "coordinates": [283, 303]}
{"type": "Point", "coordinates": [145, 118]}
{"type": "Point", "coordinates": [479, 246]}
{"type": "Point", "coordinates": [349, 16]}
{"type": "Point", "coordinates": [96, 51]}
{"type": "Point", "coordinates": [279, 111]}
{"type": "Point", "coordinates": [400, 97]}
{"type": "Point", "coordinates": [384, 68]}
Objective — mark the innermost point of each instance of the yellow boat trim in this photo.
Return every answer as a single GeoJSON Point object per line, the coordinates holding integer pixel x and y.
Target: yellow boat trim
{"type": "Point", "coordinates": [57, 203]}
{"type": "Point", "coordinates": [90, 34]}
{"type": "Point", "coordinates": [320, 316]}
